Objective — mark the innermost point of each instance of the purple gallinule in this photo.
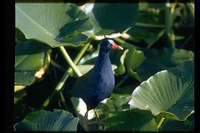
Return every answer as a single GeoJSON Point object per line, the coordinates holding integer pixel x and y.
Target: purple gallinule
{"type": "Point", "coordinates": [98, 83]}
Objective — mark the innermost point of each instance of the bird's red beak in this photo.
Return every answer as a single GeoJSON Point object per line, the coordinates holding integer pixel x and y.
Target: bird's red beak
{"type": "Point", "coordinates": [116, 46]}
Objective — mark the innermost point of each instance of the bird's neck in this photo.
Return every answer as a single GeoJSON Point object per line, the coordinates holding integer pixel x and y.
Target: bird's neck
{"type": "Point", "coordinates": [103, 61]}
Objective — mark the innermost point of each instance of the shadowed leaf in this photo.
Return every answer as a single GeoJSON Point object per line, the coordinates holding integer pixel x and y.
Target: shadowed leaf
{"type": "Point", "coordinates": [31, 61]}
{"type": "Point", "coordinates": [58, 120]}
{"type": "Point", "coordinates": [131, 120]}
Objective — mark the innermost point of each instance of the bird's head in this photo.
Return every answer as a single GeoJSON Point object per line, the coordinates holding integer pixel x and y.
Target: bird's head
{"type": "Point", "coordinates": [109, 44]}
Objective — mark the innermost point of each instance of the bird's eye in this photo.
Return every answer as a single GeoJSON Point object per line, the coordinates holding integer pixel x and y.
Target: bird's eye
{"type": "Point", "coordinates": [109, 44]}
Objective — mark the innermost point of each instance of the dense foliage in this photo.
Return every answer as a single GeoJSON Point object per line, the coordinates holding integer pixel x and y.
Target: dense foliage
{"type": "Point", "coordinates": [154, 89]}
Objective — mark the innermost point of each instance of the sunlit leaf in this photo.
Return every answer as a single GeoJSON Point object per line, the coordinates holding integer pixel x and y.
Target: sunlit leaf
{"type": "Point", "coordinates": [133, 60]}
{"type": "Point", "coordinates": [121, 68]}
{"type": "Point", "coordinates": [51, 22]}
{"type": "Point", "coordinates": [168, 91]}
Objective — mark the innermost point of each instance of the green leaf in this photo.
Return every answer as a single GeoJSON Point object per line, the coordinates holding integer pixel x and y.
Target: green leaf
{"type": "Point", "coordinates": [121, 68]}
{"type": "Point", "coordinates": [146, 34]}
{"type": "Point", "coordinates": [176, 125]}
{"type": "Point", "coordinates": [30, 57]}
{"type": "Point", "coordinates": [130, 59]}
{"type": "Point", "coordinates": [168, 92]}
{"type": "Point", "coordinates": [75, 39]}
{"type": "Point", "coordinates": [162, 59]}
{"type": "Point", "coordinates": [131, 120]}
{"type": "Point", "coordinates": [114, 17]}
{"type": "Point", "coordinates": [48, 22]}
{"type": "Point", "coordinates": [58, 120]}
{"type": "Point", "coordinates": [118, 101]}
{"type": "Point", "coordinates": [133, 60]}
{"type": "Point", "coordinates": [150, 26]}
{"type": "Point", "coordinates": [135, 75]}
{"type": "Point", "coordinates": [19, 36]}
{"type": "Point", "coordinates": [191, 7]}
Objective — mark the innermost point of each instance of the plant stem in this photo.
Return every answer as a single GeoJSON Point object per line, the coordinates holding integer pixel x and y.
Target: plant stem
{"type": "Point", "coordinates": [149, 25]}
{"type": "Point", "coordinates": [172, 38]}
{"type": "Point", "coordinates": [121, 41]}
{"type": "Point", "coordinates": [167, 22]}
{"type": "Point", "coordinates": [68, 59]}
{"type": "Point", "coordinates": [66, 74]}
{"type": "Point", "coordinates": [160, 122]}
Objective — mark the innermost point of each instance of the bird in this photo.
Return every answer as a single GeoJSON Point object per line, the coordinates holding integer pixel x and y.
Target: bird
{"type": "Point", "coordinates": [98, 83]}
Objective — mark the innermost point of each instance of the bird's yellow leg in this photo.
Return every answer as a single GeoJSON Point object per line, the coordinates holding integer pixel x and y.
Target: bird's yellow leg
{"type": "Point", "coordinates": [98, 119]}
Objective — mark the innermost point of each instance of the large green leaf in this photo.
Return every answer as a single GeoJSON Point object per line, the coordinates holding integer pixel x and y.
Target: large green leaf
{"type": "Point", "coordinates": [30, 57]}
{"type": "Point", "coordinates": [109, 18]}
{"type": "Point", "coordinates": [19, 36]}
{"type": "Point", "coordinates": [131, 120]}
{"type": "Point", "coordinates": [162, 59]}
{"type": "Point", "coordinates": [58, 120]}
{"type": "Point", "coordinates": [52, 22]}
{"type": "Point", "coordinates": [176, 125]}
{"type": "Point", "coordinates": [168, 92]}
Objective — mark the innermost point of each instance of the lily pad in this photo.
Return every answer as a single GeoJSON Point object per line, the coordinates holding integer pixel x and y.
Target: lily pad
{"type": "Point", "coordinates": [58, 120]}
{"type": "Point", "coordinates": [168, 93]}
{"type": "Point", "coordinates": [52, 22]}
